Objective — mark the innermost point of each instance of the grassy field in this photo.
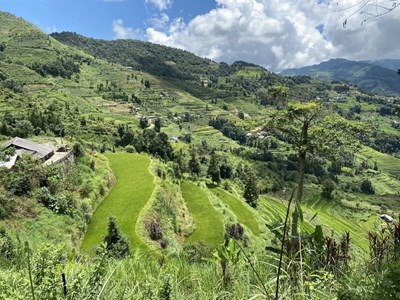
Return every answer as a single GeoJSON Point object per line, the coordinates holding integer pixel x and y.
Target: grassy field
{"type": "Point", "coordinates": [125, 202]}
{"type": "Point", "coordinates": [243, 214]}
{"type": "Point", "coordinates": [209, 227]}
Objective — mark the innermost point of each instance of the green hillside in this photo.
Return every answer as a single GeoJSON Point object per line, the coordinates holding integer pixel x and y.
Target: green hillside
{"type": "Point", "coordinates": [176, 147]}
{"type": "Point", "coordinates": [369, 76]}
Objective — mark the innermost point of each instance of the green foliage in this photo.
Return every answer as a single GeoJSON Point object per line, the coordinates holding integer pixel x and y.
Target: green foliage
{"type": "Point", "coordinates": [388, 284]}
{"type": "Point", "coordinates": [251, 192]}
{"type": "Point", "coordinates": [327, 188]}
{"type": "Point", "coordinates": [23, 129]}
{"type": "Point", "coordinates": [64, 68]}
{"type": "Point", "coordinates": [117, 245]}
{"type": "Point", "coordinates": [6, 246]}
{"type": "Point", "coordinates": [198, 252]}
{"type": "Point", "coordinates": [194, 163]}
{"type": "Point", "coordinates": [78, 150]}
{"type": "Point", "coordinates": [214, 168]}
{"type": "Point", "coordinates": [366, 187]}
{"type": "Point", "coordinates": [144, 123]}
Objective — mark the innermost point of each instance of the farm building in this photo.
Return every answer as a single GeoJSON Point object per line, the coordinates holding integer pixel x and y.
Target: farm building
{"type": "Point", "coordinates": [48, 153]}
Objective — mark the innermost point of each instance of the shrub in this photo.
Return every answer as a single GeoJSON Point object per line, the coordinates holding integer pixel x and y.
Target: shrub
{"type": "Point", "coordinates": [155, 230]}
{"type": "Point", "coordinates": [21, 186]}
{"type": "Point", "coordinates": [366, 187]}
{"type": "Point", "coordinates": [236, 231]}
{"type": "Point", "coordinates": [78, 149]}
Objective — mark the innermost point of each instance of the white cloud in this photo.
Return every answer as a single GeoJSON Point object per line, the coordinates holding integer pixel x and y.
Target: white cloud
{"type": "Point", "coordinates": [279, 34]}
{"type": "Point", "coordinates": [159, 21]}
{"type": "Point", "coordinates": [121, 32]}
{"type": "Point", "coordinates": [160, 4]}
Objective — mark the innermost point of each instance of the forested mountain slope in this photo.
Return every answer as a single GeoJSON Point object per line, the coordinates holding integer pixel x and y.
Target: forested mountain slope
{"type": "Point", "coordinates": [372, 77]}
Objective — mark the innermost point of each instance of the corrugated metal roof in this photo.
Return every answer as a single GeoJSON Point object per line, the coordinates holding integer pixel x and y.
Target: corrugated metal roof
{"type": "Point", "coordinates": [41, 149]}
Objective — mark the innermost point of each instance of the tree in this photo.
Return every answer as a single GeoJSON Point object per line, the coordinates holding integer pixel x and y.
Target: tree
{"type": "Point", "coordinates": [250, 189]}
{"type": "Point", "coordinates": [310, 131]}
{"type": "Point", "coordinates": [213, 168]}
{"type": "Point", "coordinates": [117, 245]}
{"type": "Point", "coordinates": [143, 123]}
{"type": "Point", "coordinates": [157, 124]}
{"type": "Point", "coordinates": [194, 163]}
{"type": "Point", "coordinates": [327, 188]}
{"type": "Point", "coordinates": [280, 93]}
{"type": "Point", "coordinates": [366, 187]}
{"type": "Point", "coordinates": [23, 128]}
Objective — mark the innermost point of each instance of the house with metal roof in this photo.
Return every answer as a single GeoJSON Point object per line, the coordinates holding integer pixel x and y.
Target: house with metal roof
{"type": "Point", "coordinates": [48, 153]}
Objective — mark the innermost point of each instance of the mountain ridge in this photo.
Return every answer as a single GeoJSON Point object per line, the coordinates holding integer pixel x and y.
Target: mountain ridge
{"type": "Point", "coordinates": [370, 76]}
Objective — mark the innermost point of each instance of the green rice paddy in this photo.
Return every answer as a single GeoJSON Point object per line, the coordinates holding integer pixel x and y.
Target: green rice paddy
{"type": "Point", "coordinates": [126, 200]}
{"type": "Point", "coordinates": [209, 226]}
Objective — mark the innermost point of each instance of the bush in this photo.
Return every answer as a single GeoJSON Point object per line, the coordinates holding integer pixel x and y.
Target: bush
{"type": "Point", "coordinates": [366, 187]}
{"type": "Point", "coordinates": [327, 188]}
{"type": "Point", "coordinates": [21, 186]}
{"type": "Point", "coordinates": [78, 150]}
{"type": "Point", "coordinates": [155, 230]}
{"type": "Point", "coordinates": [130, 149]}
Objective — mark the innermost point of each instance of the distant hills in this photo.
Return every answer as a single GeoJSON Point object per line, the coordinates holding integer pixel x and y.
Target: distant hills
{"type": "Point", "coordinates": [378, 76]}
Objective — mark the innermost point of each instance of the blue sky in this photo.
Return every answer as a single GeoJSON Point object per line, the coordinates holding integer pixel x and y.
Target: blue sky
{"type": "Point", "coordinates": [273, 33]}
{"type": "Point", "coordinates": [94, 18]}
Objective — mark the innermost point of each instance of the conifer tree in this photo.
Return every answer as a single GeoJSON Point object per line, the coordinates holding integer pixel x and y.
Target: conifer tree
{"type": "Point", "coordinates": [194, 163]}
{"type": "Point", "coordinates": [250, 189]}
{"type": "Point", "coordinates": [213, 168]}
{"type": "Point", "coordinates": [117, 245]}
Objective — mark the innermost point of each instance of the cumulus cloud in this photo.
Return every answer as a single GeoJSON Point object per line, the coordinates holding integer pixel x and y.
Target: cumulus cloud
{"type": "Point", "coordinates": [121, 32]}
{"type": "Point", "coordinates": [278, 35]}
{"type": "Point", "coordinates": [160, 4]}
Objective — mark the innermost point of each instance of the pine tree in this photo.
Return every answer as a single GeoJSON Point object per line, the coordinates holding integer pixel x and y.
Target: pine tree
{"type": "Point", "coordinates": [213, 169]}
{"type": "Point", "coordinates": [157, 124]}
{"type": "Point", "coordinates": [194, 163]}
{"type": "Point", "coordinates": [117, 245]}
{"type": "Point", "coordinates": [250, 189]}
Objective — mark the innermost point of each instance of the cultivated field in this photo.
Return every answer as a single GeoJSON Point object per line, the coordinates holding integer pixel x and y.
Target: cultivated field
{"type": "Point", "coordinates": [126, 200]}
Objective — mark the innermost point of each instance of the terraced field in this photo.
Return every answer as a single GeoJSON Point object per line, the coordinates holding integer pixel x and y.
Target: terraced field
{"type": "Point", "coordinates": [243, 214]}
{"type": "Point", "coordinates": [209, 226]}
{"type": "Point", "coordinates": [126, 200]}
{"type": "Point", "coordinates": [329, 218]}
{"type": "Point", "coordinates": [322, 213]}
{"type": "Point", "coordinates": [386, 162]}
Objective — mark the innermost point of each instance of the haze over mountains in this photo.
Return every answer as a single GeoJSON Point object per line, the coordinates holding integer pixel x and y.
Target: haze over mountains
{"type": "Point", "coordinates": [375, 76]}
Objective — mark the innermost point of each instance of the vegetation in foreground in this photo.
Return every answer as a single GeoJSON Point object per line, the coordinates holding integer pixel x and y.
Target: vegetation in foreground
{"type": "Point", "coordinates": [213, 128]}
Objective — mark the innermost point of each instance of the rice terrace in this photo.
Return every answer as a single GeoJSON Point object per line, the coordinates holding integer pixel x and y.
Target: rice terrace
{"type": "Point", "coordinates": [126, 200]}
{"type": "Point", "coordinates": [185, 150]}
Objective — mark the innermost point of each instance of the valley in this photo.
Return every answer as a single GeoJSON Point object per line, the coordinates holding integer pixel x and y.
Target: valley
{"type": "Point", "coordinates": [196, 162]}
